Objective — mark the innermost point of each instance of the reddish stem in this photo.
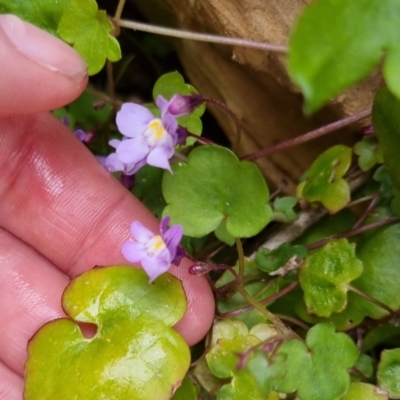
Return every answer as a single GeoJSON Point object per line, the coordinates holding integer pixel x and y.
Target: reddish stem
{"type": "Point", "coordinates": [354, 232]}
{"type": "Point", "coordinates": [270, 299]}
{"type": "Point", "coordinates": [367, 211]}
{"type": "Point", "coordinates": [308, 136]}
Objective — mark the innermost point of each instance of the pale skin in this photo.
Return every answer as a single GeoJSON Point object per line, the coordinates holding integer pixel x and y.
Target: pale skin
{"type": "Point", "coordinates": [61, 213]}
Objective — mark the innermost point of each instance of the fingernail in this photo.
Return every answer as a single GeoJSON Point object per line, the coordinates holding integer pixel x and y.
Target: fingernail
{"type": "Point", "coordinates": [43, 48]}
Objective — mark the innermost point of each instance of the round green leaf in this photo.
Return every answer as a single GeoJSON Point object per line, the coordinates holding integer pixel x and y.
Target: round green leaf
{"type": "Point", "coordinates": [214, 186]}
{"type": "Point", "coordinates": [325, 274]}
{"type": "Point", "coordinates": [134, 353]}
{"type": "Point", "coordinates": [389, 372]}
{"type": "Point", "coordinates": [324, 180]}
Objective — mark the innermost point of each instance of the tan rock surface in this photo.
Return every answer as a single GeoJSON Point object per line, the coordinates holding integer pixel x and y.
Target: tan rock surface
{"type": "Point", "coordinates": [254, 83]}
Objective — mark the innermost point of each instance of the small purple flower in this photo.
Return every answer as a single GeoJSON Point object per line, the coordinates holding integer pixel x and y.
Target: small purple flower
{"type": "Point", "coordinates": [156, 253]}
{"type": "Point", "coordinates": [179, 105]}
{"type": "Point", "coordinates": [147, 140]}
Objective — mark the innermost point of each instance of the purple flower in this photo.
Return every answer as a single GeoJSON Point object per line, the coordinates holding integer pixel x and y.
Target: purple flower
{"type": "Point", "coordinates": [179, 105]}
{"type": "Point", "coordinates": [156, 253]}
{"type": "Point", "coordinates": [147, 140]}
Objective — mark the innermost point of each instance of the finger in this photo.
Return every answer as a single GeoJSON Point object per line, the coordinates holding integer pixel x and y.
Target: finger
{"type": "Point", "coordinates": [31, 291]}
{"type": "Point", "coordinates": [38, 72]}
{"type": "Point", "coordinates": [11, 385]}
{"type": "Point", "coordinates": [60, 200]}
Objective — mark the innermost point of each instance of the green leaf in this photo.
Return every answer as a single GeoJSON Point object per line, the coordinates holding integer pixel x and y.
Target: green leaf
{"type": "Point", "coordinates": [386, 121]}
{"type": "Point", "coordinates": [214, 186]}
{"type": "Point", "coordinates": [381, 175]}
{"type": "Point", "coordinates": [365, 364]}
{"type": "Point", "coordinates": [223, 235]}
{"type": "Point", "coordinates": [317, 369]}
{"type": "Point", "coordinates": [229, 338]}
{"type": "Point", "coordinates": [364, 391]}
{"type": "Point", "coordinates": [45, 14]}
{"type": "Point", "coordinates": [134, 354]}
{"type": "Point", "coordinates": [271, 260]}
{"type": "Point", "coordinates": [369, 152]}
{"type": "Point", "coordinates": [325, 274]}
{"type": "Point", "coordinates": [324, 182]}
{"type": "Point", "coordinates": [283, 209]}
{"type": "Point", "coordinates": [148, 189]}
{"type": "Point", "coordinates": [337, 43]}
{"type": "Point", "coordinates": [389, 372]}
{"type": "Point", "coordinates": [378, 335]}
{"type": "Point", "coordinates": [186, 392]}
{"type": "Point", "coordinates": [173, 83]}
{"type": "Point", "coordinates": [88, 29]}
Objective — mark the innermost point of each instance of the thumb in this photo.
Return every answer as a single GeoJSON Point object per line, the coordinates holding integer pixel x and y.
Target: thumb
{"type": "Point", "coordinates": [38, 72]}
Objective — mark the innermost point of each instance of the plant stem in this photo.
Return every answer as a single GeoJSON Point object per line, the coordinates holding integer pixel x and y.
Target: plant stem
{"type": "Point", "coordinates": [103, 96]}
{"type": "Point", "coordinates": [354, 232]}
{"type": "Point", "coordinates": [362, 200]}
{"type": "Point", "coordinates": [202, 37]}
{"type": "Point", "coordinates": [282, 328]}
{"type": "Point", "coordinates": [308, 136]}
{"type": "Point", "coordinates": [294, 321]}
{"type": "Point", "coordinates": [118, 12]}
{"type": "Point", "coordinates": [239, 248]}
{"type": "Point", "coordinates": [110, 80]}
{"type": "Point", "coordinates": [268, 300]}
{"type": "Point", "coordinates": [222, 106]}
{"type": "Point", "coordinates": [371, 299]}
{"type": "Point", "coordinates": [367, 211]}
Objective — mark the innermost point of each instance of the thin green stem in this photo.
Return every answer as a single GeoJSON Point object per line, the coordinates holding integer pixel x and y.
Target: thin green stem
{"type": "Point", "coordinates": [282, 328]}
{"type": "Point", "coordinates": [118, 12]}
{"type": "Point", "coordinates": [239, 247]}
{"type": "Point", "coordinates": [371, 299]}
{"type": "Point", "coordinates": [202, 37]}
{"type": "Point", "coordinates": [309, 136]}
{"type": "Point", "coordinates": [294, 321]}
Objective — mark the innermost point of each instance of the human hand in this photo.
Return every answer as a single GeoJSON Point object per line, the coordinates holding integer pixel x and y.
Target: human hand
{"type": "Point", "coordinates": [61, 213]}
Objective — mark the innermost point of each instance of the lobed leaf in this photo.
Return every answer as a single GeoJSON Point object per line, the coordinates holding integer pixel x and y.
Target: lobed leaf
{"type": "Point", "coordinates": [317, 369]}
{"type": "Point", "coordinates": [324, 180]}
{"type": "Point", "coordinates": [88, 30]}
{"type": "Point", "coordinates": [325, 274]}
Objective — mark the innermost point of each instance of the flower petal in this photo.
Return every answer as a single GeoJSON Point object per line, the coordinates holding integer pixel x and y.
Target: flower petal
{"type": "Point", "coordinates": [170, 124]}
{"type": "Point", "coordinates": [113, 163]}
{"type": "Point", "coordinates": [159, 156]}
{"type": "Point", "coordinates": [114, 143]}
{"type": "Point", "coordinates": [132, 119]}
{"type": "Point", "coordinates": [140, 233]}
{"type": "Point", "coordinates": [131, 151]}
{"type": "Point", "coordinates": [155, 266]}
{"type": "Point", "coordinates": [164, 225]}
{"type": "Point", "coordinates": [162, 104]}
{"type": "Point", "coordinates": [172, 237]}
{"type": "Point", "coordinates": [134, 252]}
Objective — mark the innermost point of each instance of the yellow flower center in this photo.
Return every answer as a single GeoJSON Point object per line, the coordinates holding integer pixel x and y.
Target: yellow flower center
{"type": "Point", "coordinates": [155, 131]}
{"type": "Point", "coordinates": [156, 245]}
